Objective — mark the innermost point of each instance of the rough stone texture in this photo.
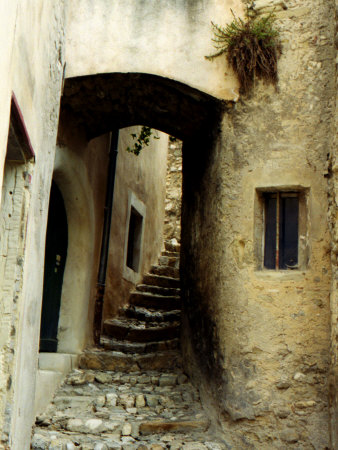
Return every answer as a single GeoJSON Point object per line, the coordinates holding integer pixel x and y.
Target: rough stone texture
{"type": "Point", "coordinates": [333, 223]}
{"type": "Point", "coordinates": [253, 331]}
{"type": "Point", "coordinates": [144, 410]}
{"type": "Point", "coordinates": [173, 200]}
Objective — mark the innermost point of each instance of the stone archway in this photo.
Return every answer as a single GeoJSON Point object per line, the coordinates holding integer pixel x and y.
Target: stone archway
{"type": "Point", "coordinates": [97, 104]}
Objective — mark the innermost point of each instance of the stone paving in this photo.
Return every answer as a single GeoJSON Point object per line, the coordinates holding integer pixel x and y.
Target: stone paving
{"type": "Point", "coordinates": [132, 392]}
{"type": "Point", "coordinates": [114, 410]}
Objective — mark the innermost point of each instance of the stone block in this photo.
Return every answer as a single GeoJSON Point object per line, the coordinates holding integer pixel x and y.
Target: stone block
{"type": "Point", "coordinates": [58, 362]}
{"type": "Point", "coordinates": [168, 380]}
{"type": "Point", "coordinates": [140, 401]}
{"type": "Point", "coordinates": [184, 426]}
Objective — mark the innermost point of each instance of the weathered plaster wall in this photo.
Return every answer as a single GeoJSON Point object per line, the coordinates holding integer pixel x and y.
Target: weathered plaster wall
{"type": "Point", "coordinates": [333, 223]}
{"type": "Point", "coordinates": [144, 175]}
{"type": "Point", "coordinates": [167, 38]}
{"type": "Point", "coordinates": [31, 65]}
{"type": "Point", "coordinates": [80, 172]}
{"type": "Point", "coordinates": [262, 338]}
{"type": "Point", "coordinates": [8, 14]}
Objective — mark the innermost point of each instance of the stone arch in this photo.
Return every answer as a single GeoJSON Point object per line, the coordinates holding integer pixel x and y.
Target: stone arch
{"type": "Point", "coordinates": [97, 104]}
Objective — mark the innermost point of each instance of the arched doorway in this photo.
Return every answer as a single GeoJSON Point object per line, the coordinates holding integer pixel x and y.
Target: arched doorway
{"type": "Point", "coordinates": [55, 260]}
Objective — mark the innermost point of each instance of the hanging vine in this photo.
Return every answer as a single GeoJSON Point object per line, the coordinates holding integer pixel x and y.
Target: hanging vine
{"type": "Point", "coordinates": [142, 140]}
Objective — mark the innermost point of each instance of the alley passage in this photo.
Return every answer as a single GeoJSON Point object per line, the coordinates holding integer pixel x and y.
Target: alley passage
{"type": "Point", "coordinates": [133, 393]}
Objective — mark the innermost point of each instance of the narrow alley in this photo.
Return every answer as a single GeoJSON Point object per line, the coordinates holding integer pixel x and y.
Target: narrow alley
{"type": "Point", "coordinates": [133, 394]}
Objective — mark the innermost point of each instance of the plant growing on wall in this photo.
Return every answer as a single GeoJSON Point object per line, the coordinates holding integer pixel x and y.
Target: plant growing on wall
{"type": "Point", "coordinates": [143, 139]}
{"type": "Point", "coordinates": [252, 48]}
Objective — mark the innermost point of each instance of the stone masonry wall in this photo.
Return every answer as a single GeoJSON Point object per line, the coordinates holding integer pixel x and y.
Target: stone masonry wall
{"type": "Point", "coordinates": [333, 222]}
{"type": "Point", "coordinates": [172, 221]}
{"type": "Point", "coordinates": [261, 338]}
{"type": "Point", "coordinates": [15, 199]}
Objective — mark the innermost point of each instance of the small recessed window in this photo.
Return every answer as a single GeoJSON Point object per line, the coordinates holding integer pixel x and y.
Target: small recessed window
{"type": "Point", "coordinates": [134, 240]}
{"type": "Point", "coordinates": [281, 230]}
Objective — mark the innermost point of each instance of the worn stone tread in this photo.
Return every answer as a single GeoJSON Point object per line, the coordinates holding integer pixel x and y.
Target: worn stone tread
{"type": "Point", "coordinates": [170, 254]}
{"type": "Point", "coordinates": [135, 330]}
{"type": "Point", "coordinates": [112, 360]}
{"type": "Point", "coordinates": [124, 346]}
{"type": "Point", "coordinates": [159, 280]}
{"type": "Point", "coordinates": [173, 426]}
{"type": "Point", "coordinates": [167, 291]}
{"type": "Point", "coordinates": [155, 301]}
{"type": "Point", "coordinates": [171, 261]}
{"type": "Point", "coordinates": [166, 271]}
{"type": "Point", "coordinates": [171, 247]}
{"type": "Point", "coordinates": [152, 315]}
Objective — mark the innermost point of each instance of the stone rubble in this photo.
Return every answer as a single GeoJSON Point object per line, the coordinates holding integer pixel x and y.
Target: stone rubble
{"type": "Point", "coordinates": [150, 410]}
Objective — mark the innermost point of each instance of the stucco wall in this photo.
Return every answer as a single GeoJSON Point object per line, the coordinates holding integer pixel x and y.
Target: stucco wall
{"type": "Point", "coordinates": [265, 336]}
{"type": "Point", "coordinates": [166, 38]}
{"type": "Point", "coordinates": [144, 176]}
{"type": "Point", "coordinates": [80, 172]}
{"type": "Point", "coordinates": [32, 37]}
{"type": "Point", "coordinates": [333, 222]}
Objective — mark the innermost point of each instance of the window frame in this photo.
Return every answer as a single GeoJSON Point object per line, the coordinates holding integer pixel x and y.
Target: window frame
{"type": "Point", "coordinates": [134, 204]}
{"type": "Point", "coordinates": [260, 223]}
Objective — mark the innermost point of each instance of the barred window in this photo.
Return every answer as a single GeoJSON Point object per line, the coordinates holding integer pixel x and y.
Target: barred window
{"type": "Point", "coordinates": [281, 230]}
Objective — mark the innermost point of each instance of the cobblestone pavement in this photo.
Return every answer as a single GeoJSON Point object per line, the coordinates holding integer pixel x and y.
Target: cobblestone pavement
{"type": "Point", "coordinates": [114, 410]}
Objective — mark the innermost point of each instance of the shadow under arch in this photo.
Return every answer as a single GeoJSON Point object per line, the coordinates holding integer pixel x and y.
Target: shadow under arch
{"type": "Point", "coordinates": [98, 104]}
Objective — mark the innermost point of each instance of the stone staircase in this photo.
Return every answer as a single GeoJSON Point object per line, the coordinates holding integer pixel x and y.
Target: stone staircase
{"type": "Point", "coordinates": [132, 393]}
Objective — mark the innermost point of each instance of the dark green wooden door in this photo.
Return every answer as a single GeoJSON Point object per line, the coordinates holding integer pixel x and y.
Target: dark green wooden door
{"type": "Point", "coordinates": [55, 260]}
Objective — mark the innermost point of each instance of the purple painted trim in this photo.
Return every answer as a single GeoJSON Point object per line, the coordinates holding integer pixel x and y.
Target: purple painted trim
{"type": "Point", "coordinates": [16, 111]}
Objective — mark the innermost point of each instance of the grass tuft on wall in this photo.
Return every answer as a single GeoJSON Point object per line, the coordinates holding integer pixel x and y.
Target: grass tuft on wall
{"type": "Point", "coordinates": [252, 48]}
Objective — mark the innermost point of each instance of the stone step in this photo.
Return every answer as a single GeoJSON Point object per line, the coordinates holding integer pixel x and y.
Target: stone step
{"type": "Point", "coordinates": [150, 315]}
{"type": "Point", "coordinates": [169, 261]}
{"type": "Point", "coordinates": [134, 330]}
{"type": "Point", "coordinates": [166, 271]}
{"type": "Point", "coordinates": [97, 426]}
{"type": "Point", "coordinates": [172, 246]}
{"type": "Point", "coordinates": [179, 426]}
{"type": "Point", "coordinates": [98, 359]}
{"type": "Point", "coordinates": [167, 303]}
{"type": "Point", "coordinates": [110, 343]}
{"type": "Point", "coordinates": [162, 281]}
{"type": "Point", "coordinates": [158, 290]}
{"type": "Point", "coordinates": [170, 254]}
